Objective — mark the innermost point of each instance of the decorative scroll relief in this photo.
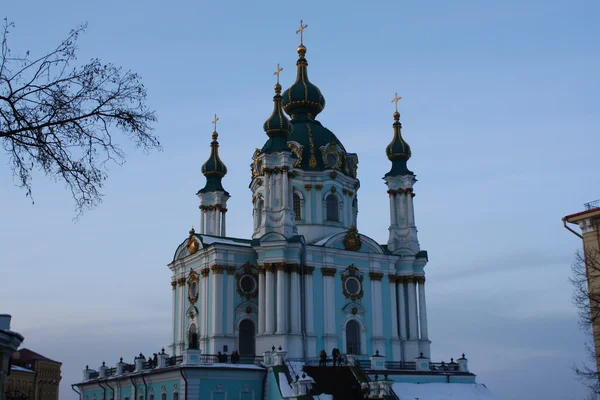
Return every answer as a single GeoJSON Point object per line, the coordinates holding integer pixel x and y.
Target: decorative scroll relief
{"type": "Point", "coordinates": [297, 149]}
{"type": "Point", "coordinates": [192, 282]}
{"type": "Point", "coordinates": [257, 164]}
{"type": "Point", "coordinates": [332, 155]}
{"type": "Point", "coordinates": [247, 281]}
{"type": "Point", "coordinates": [352, 283]}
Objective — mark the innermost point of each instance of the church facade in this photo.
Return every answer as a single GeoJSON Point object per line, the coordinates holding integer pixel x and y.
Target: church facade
{"type": "Point", "coordinates": [251, 316]}
{"type": "Point", "coordinates": [306, 280]}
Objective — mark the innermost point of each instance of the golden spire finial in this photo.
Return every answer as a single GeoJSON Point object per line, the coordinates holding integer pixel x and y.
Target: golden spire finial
{"type": "Point", "coordinates": [214, 121]}
{"type": "Point", "coordinates": [396, 100]}
{"type": "Point", "coordinates": [277, 72]}
{"type": "Point", "coordinates": [301, 31]}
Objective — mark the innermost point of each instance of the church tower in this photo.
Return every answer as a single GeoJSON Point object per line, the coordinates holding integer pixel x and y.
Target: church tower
{"type": "Point", "coordinates": [213, 197]}
{"type": "Point", "coordinates": [400, 180]}
{"type": "Point", "coordinates": [403, 241]}
{"type": "Point", "coordinates": [271, 166]}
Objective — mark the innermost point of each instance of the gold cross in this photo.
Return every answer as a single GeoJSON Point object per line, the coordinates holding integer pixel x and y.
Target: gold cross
{"type": "Point", "coordinates": [301, 30]}
{"type": "Point", "coordinates": [396, 100]}
{"type": "Point", "coordinates": [214, 121]}
{"type": "Point", "coordinates": [279, 69]}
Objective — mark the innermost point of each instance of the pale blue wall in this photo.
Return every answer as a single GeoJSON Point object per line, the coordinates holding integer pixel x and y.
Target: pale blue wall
{"type": "Point", "coordinates": [234, 383]}
{"type": "Point", "coordinates": [318, 306]}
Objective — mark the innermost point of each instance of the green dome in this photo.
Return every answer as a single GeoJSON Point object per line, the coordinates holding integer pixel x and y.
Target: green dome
{"type": "Point", "coordinates": [398, 151]}
{"type": "Point", "coordinates": [303, 97]}
{"type": "Point", "coordinates": [213, 169]}
{"type": "Point", "coordinates": [312, 136]}
{"type": "Point", "coordinates": [277, 126]}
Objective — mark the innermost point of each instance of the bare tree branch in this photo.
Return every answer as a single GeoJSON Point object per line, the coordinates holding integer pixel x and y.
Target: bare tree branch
{"type": "Point", "coordinates": [585, 278]}
{"type": "Point", "coordinates": [60, 117]}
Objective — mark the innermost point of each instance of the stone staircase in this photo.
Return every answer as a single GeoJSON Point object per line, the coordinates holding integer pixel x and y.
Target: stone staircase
{"type": "Point", "coordinates": [340, 382]}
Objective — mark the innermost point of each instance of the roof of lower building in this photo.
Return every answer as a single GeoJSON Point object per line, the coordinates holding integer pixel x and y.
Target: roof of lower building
{"type": "Point", "coordinates": [25, 355]}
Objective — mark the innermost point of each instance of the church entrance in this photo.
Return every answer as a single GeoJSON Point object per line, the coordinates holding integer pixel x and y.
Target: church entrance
{"type": "Point", "coordinates": [247, 342]}
{"type": "Point", "coordinates": [353, 337]}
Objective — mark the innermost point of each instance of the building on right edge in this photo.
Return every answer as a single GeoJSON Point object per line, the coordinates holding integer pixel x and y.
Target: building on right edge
{"type": "Point", "coordinates": [588, 221]}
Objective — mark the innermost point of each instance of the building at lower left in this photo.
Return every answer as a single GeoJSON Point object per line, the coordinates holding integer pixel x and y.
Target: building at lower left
{"type": "Point", "coordinates": [9, 342]}
{"type": "Point", "coordinates": [33, 377]}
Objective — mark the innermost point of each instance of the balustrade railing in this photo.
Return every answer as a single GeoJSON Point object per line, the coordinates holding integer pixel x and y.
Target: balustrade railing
{"type": "Point", "coordinates": [592, 205]}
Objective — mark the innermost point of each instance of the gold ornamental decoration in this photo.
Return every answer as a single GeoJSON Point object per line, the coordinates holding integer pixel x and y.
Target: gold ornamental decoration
{"type": "Point", "coordinates": [249, 275]}
{"type": "Point", "coordinates": [352, 290]}
{"type": "Point", "coordinates": [192, 244]}
{"type": "Point", "coordinates": [193, 289]}
{"type": "Point", "coordinates": [352, 239]}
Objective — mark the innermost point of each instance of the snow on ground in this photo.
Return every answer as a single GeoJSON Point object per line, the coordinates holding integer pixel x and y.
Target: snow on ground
{"type": "Point", "coordinates": [325, 396]}
{"type": "Point", "coordinates": [286, 389]}
{"type": "Point", "coordinates": [443, 391]}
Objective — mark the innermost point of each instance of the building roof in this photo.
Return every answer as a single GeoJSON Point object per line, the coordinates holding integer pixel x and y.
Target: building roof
{"type": "Point", "coordinates": [573, 218]}
{"type": "Point", "coordinates": [26, 355]}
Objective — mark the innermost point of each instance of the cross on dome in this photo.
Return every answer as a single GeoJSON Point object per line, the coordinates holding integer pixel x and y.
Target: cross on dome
{"type": "Point", "coordinates": [396, 100]}
{"type": "Point", "coordinates": [277, 72]}
{"type": "Point", "coordinates": [214, 121]}
{"type": "Point", "coordinates": [301, 31]}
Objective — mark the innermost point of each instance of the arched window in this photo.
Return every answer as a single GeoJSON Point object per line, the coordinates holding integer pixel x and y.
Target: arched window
{"type": "Point", "coordinates": [193, 337]}
{"type": "Point", "coordinates": [352, 337]}
{"type": "Point", "coordinates": [176, 396]}
{"type": "Point", "coordinates": [297, 207]}
{"type": "Point", "coordinates": [332, 208]}
{"type": "Point", "coordinates": [163, 396]}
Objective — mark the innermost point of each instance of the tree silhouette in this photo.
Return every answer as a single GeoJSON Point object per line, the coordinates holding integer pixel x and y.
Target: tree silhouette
{"type": "Point", "coordinates": [61, 117]}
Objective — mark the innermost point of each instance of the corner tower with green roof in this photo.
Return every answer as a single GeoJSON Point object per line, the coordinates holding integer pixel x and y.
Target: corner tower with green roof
{"type": "Point", "coordinates": [271, 171]}
{"type": "Point", "coordinates": [400, 180]}
{"type": "Point", "coordinates": [213, 197]}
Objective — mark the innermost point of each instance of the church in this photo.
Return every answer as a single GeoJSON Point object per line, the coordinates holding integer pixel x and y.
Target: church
{"type": "Point", "coordinates": [251, 313]}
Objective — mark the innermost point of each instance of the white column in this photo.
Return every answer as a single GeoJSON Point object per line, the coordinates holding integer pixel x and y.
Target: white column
{"type": "Point", "coordinates": [269, 301]}
{"type": "Point", "coordinates": [319, 206]}
{"type": "Point", "coordinates": [393, 306]}
{"type": "Point", "coordinates": [261, 301]}
{"type": "Point", "coordinates": [328, 302]}
{"type": "Point", "coordinates": [347, 204]}
{"type": "Point", "coordinates": [174, 313]}
{"type": "Point", "coordinates": [223, 214]}
{"type": "Point", "coordinates": [216, 223]}
{"type": "Point", "coordinates": [376, 304]}
{"type": "Point", "coordinates": [204, 304]}
{"type": "Point", "coordinates": [308, 299]}
{"type": "Point", "coordinates": [412, 310]}
{"type": "Point", "coordinates": [294, 302]}
{"type": "Point", "coordinates": [423, 310]}
{"type": "Point", "coordinates": [307, 204]}
{"type": "Point", "coordinates": [284, 189]}
{"type": "Point", "coordinates": [217, 303]}
{"type": "Point", "coordinates": [282, 291]}
{"type": "Point", "coordinates": [400, 212]}
{"type": "Point", "coordinates": [402, 308]}
{"type": "Point", "coordinates": [201, 221]}
{"type": "Point", "coordinates": [392, 209]}
{"type": "Point", "coordinates": [230, 307]}
{"type": "Point", "coordinates": [182, 319]}
{"type": "Point", "coordinates": [267, 190]}
{"type": "Point", "coordinates": [410, 213]}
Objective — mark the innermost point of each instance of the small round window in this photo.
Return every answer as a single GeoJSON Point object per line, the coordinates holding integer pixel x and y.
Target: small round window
{"type": "Point", "coordinates": [332, 159]}
{"type": "Point", "coordinates": [248, 284]}
{"type": "Point", "coordinates": [352, 286]}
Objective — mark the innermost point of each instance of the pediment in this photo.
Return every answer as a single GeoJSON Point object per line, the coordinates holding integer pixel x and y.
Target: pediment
{"type": "Point", "coordinates": [367, 245]}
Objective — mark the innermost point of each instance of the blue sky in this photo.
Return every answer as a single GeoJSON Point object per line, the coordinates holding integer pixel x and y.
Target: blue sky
{"type": "Point", "coordinates": [500, 106]}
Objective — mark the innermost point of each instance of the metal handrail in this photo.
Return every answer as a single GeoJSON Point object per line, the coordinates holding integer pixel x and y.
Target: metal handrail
{"type": "Point", "coordinates": [592, 205]}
